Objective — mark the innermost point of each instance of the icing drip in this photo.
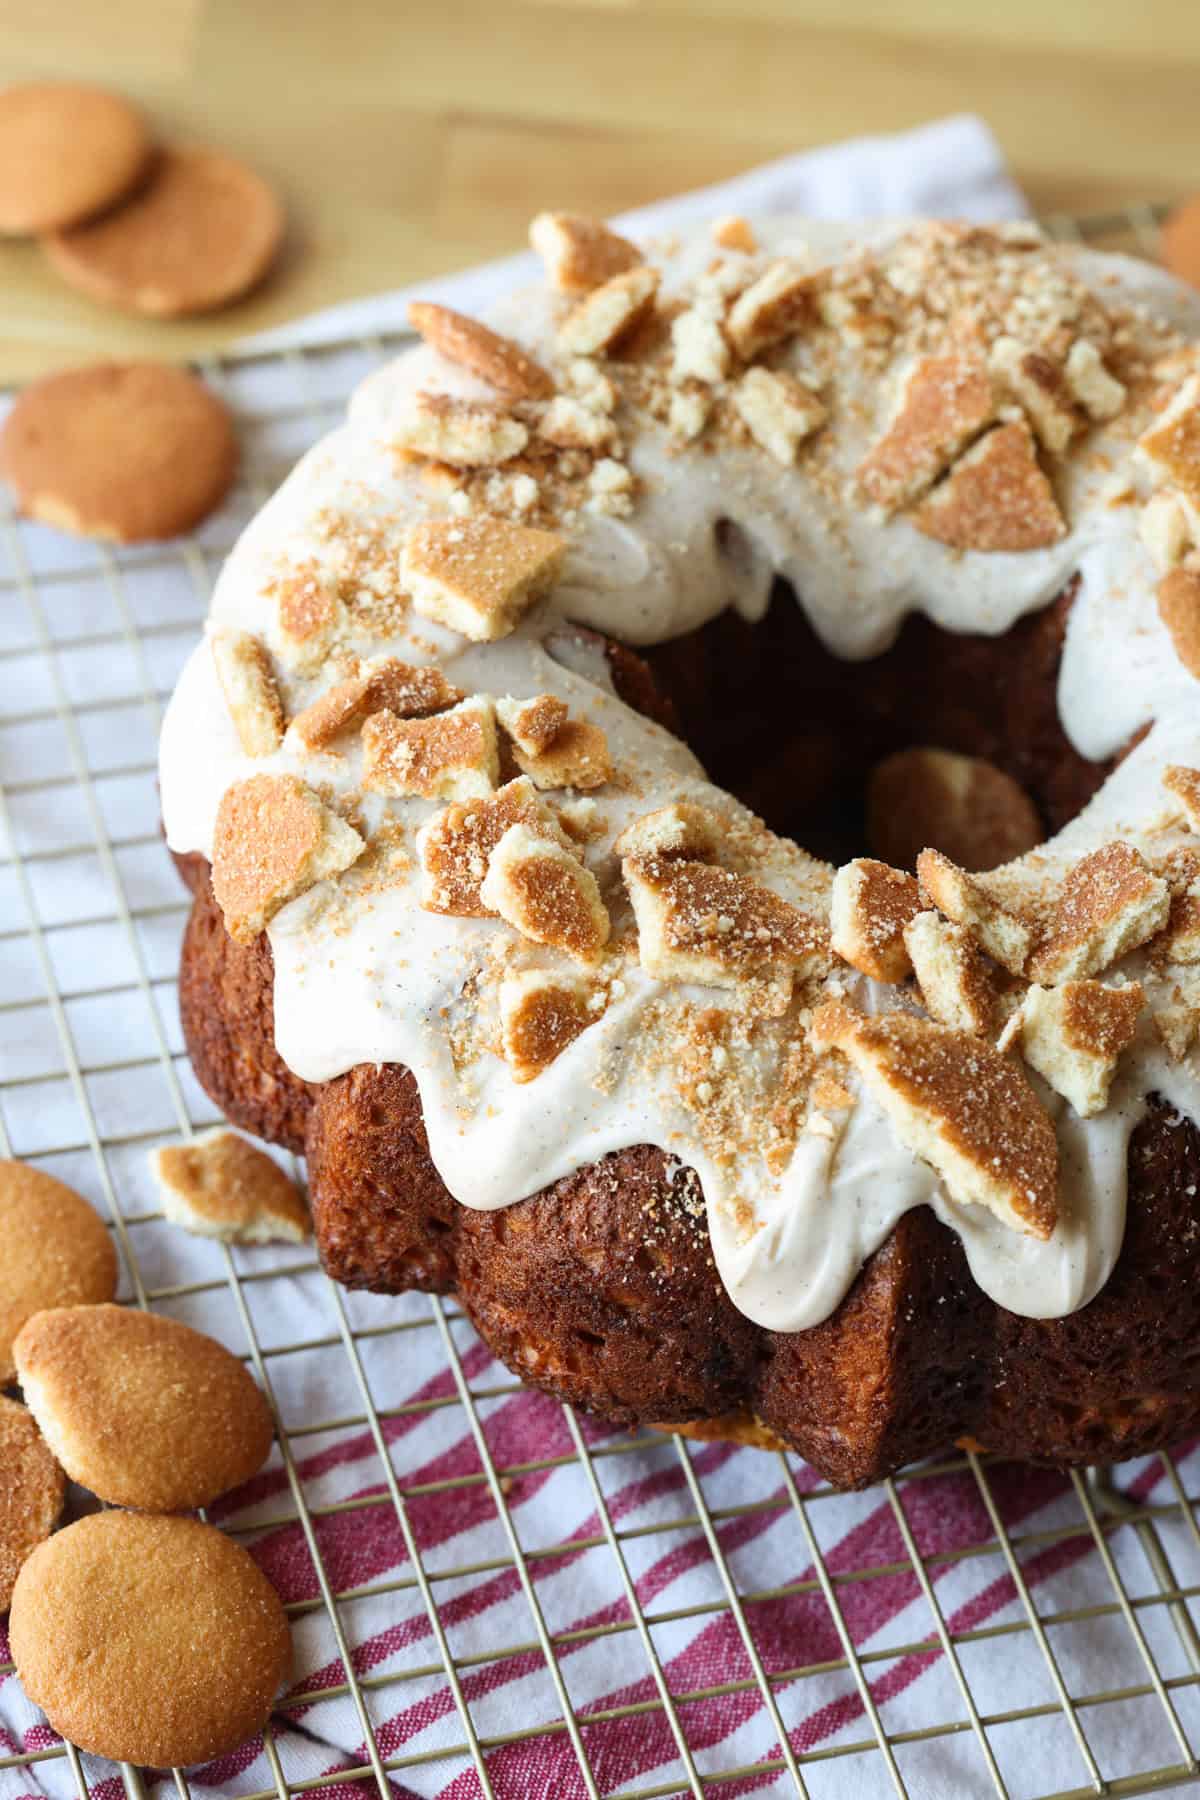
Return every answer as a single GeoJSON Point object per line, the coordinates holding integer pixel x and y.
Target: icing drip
{"type": "Point", "coordinates": [364, 974]}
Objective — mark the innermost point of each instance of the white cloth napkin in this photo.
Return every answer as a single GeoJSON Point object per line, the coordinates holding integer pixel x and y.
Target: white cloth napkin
{"type": "Point", "coordinates": [951, 168]}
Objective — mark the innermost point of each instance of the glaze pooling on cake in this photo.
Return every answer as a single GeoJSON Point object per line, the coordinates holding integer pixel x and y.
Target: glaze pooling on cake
{"type": "Point", "coordinates": [680, 489]}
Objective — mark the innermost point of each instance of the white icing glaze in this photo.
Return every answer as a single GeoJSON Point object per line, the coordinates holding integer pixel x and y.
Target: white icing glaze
{"type": "Point", "coordinates": [373, 978]}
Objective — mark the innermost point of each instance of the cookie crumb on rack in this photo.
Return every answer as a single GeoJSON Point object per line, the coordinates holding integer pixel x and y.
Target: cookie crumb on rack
{"type": "Point", "coordinates": [221, 1186]}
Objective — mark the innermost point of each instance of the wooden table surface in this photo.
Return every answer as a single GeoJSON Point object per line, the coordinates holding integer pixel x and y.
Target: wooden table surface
{"type": "Point", "coordinates": [414, 138]}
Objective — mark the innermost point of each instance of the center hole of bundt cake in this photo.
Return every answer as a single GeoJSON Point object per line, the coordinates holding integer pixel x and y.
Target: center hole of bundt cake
{"type": "Point", "coordinates": [800, 735]}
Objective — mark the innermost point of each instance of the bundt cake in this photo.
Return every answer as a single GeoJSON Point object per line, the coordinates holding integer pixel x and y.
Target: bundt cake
{"type": "Point", "coordinates": [877, 527]}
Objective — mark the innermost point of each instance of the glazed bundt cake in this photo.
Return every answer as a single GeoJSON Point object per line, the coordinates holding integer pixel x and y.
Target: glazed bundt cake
{"type": "Point", "coordinates": [885, 530]}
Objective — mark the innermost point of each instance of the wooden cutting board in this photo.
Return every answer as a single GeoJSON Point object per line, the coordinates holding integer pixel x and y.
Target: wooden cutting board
{"type": "Point", "coordinates": [414, 139]}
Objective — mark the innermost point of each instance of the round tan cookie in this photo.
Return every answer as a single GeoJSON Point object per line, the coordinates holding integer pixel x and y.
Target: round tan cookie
{"type": "Point", "coordinates": [123, 451]}
{"type": "Point", "coordinates": [32, 1487]}
{"type": "Point", "coordinates": [148, 1640]}
{"type": "Point", "coordinates": [142, 1410]}
{"type": "Point", "coordinates": [961, 805]}
{"type": "Point", "coordinates": [66, 151]}
{"type": "Point", "coordinates": [1181, 241]}
{"type": "Point", "coordinates": [56, 1252]}
{"type": "Point", "coordinates": [202, 231]}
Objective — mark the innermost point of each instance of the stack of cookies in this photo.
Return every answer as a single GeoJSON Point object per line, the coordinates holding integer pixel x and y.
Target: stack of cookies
{"type": "Point", "coordinates": [167, 231]}
{"type": "Point", "coordinates": [150, 1416]}
{"type": "Point", "coordinates": [126, 451]}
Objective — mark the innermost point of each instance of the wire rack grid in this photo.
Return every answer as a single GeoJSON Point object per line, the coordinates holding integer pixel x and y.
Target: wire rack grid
{"type": "Point", "coordinates": [1083, 1594]}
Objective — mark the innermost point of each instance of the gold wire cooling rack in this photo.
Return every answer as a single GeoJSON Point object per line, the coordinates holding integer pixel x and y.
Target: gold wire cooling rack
{"type": "Point", "coordinates": [87, 1092]}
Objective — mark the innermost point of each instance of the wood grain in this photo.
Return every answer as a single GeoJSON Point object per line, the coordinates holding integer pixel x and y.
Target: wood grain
{"type": "Point", "coordinates": [413, 139]}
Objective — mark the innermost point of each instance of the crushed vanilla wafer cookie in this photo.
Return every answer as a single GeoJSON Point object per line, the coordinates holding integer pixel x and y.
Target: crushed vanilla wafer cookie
{"type": "Point", "coordinates": [734, 233]}
{"type": "Point", "coordinates": [533, 724]}
{"type": "Point", "coordinates": [248, 683]}
{"type": "Point", "coordinates": [452, 756]}
{"type": "Point", "coordinates": [681, 829]}
{"type": "Point", "coordinates": [1109, 903]}
{"type": "Point", "coordinates": [957, 986]}
{"type": "Point", "coordinates": [700, 349]}
{"type": "Point", "coordinates": [1179, 610]}
{"type": "Point", "coordinates": [1073, 1036]}
{"type": "Point", "coordinates": [495, 359]}
{"type": "Point", "coordinates": [943, 403]}
{"type": "Point", "coordinates": [460, 432]}
{"type": "Point", "coordinates": [1184, 785]}
{"type": "Point", "coordinates": [996, 497]}
{"type": "Point", "coordinates": [579, 252]}
{"type": "Point", "coordinates": [776, 306]}
{"type": "Point", "coordinates": [32, 1491]}
{"type": "Point", "coordinates": [455, 845]}
{"type": "Point", "coordinates": [576, 757]}
{"type": "Point", "coordinates": [870, 907]}
{"type": "Point", "coordinates": [1179, 939]}
{"type": "Point", "coordinates": [308, 611]}
{"type": "Point", "coordinates": [571, 424]}
{"type": "Point", "coordinates": [479, 575]}
{"type": "Point", "coordinates": [273, 840]}
{"type": "Point", "coordinates": [1006, 938]}
{"type": "Point", "coordinates": [1098, 391]}
{"type": "Point", "coordinates": [545, 893]}
{"type": "Point", "coordinates": [541, 1013]}
{"type": "Point", "coordinates": [409, 690]}
{"type": "Point", "coordinates": [1166, 530]}
{"type": "Point", "coordinates": [218, 1185]}
{"type": "Point", "coordinates": [700, 923]}
{"type": "Point", "coordinates": [1040, 387]}
{"type": "Point", "coordinates": [959, 1104]}
{"type": "Point", "coordinates": [608, 312]}
{"type": "Point", "coordinates": [778, 411]}
{"type": "Point", "coordinates": [1170, 450]}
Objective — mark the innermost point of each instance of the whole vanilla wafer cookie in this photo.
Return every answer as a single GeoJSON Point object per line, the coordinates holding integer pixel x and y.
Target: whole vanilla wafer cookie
{"type": "Point", "coordinates": [141, 1409]}
{"type": "Point", "coordinates": [126, 452]}
{"type": "Point", "coordinates": [56, 1251]}
{"type": "Point", "coordinates": [32, 1487]}
{"type": "Point", "coordinates": [221, 1186]}
{"type": "Point", "coordinates": [67, 151]}
{"type": "Point", "coordinates": [200, 233]}
{"type": "Point", "coordinates": [155, 1641]}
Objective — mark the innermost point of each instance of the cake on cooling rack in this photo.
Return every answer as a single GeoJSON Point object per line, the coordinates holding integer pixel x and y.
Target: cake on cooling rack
{"type": "Point", "coordinates": [700, 1127]}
